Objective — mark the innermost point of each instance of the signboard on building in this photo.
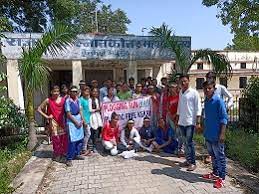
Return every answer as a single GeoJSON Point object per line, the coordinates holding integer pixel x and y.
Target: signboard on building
{"type": "Point", "coordinates": [102, 47]}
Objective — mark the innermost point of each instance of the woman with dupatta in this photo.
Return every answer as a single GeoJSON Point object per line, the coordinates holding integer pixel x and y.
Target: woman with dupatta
{"type": "Point", "coordinates": [55, 122]}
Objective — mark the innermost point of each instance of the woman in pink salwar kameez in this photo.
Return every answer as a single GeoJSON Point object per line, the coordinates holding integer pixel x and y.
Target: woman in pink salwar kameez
{"type": "Point", "coordinates": [56, 122]}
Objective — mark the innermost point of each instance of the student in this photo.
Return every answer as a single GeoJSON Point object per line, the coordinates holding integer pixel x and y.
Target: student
{"type": "Point", "coordinates": [146, 133]}
{"type": "Point", "coordinates": [164, 139]}
{"type": "Point", "coordinates": [131, 84]}
{"type": "Point", "coordinates": [129, 137]}
{"type": "Point", "coordinates": [188, 117]}
{"type": "Point", "coordinates": [163, 106]}
{"type": "Point", "coordinates": [111, 97]}
{"type": "Point", "coordinates": [84, 100]}
{"type": "Point", "coordinates": [172, 102]}
{"type": "Point", "coordinates": [221, 90]}
{"type": "Point", "coordinates": [56, 122]}
{"type": "Point", "coordinates": [64, 91]}
{"type": "Point", "coordinates": [110, 134]}
{"type": "Point", "coordinates": [138, 91]}
{"type": "Point", "coordinates": [155, 98]}
{"type": "Point", "coordinates": [124, 94]}
{"type": "Point", "coordinates": [96, 122]}
{"type": "Point", "coordinates": [75, 126]}
{"type": "Point", "coordinates": [215, 127]}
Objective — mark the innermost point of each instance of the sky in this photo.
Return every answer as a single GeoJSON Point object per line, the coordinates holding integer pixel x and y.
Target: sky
{"type": "Point", "coordinates": [186, 17]}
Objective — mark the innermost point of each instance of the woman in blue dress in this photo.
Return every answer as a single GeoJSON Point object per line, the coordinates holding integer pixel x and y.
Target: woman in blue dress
{"type": "Point", "coordinates": [74, 124]}
{"type": "Point", "coordinates": [164, 139]}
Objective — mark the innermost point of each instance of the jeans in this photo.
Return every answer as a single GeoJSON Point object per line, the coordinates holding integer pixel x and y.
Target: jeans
{"type": "Point", "coordinates": [187, 135]}
{"type": "Point", "coordinates": [87, 133]}
{"type": "Point", "coordinates": [177, 131]}
{"type": "Point", "coordinates": [217, 153]}
{"type": "Point", "coordinates": [74, 148]}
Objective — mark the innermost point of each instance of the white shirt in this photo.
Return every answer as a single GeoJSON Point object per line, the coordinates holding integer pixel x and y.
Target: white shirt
{"type": "Point", "coordinates": [114, 99]}
{"type": "Point", "coordinates": [189, 107]}
{"type": "Point", "coordinates": [223, 92]}
{"type": "Point", "coordinates": [134, 135]}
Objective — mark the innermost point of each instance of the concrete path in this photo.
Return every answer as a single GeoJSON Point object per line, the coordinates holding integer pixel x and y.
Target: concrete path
{"type": "Point", "coordinates": [148, 173]}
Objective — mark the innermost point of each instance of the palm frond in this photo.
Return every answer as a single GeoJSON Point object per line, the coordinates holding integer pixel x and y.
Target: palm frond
{"type": "Point", "coordinates": [220, 63]}
{"type": "Point", "coordinates": [31, 67]}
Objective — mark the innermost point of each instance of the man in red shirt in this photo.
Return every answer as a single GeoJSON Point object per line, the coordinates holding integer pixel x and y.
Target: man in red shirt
{"type": "Point", "coordinates": [172, 101]}
{"type": "Point", "coordinates": [110, 134]}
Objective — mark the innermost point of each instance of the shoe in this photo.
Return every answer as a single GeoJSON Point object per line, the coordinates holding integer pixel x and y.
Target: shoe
{"type": "Point", "coordinates": [191, 167]}
{"type": "Point", "coordinates": [69, 163]}
{"type": "Point", "coordinates": [185, 164]}
{"type": "Point", "coordinates": [79, 157]}
{"type": "Point", "coordinates": [218, 183]}
{"type": "Point", "coordinates": [149, 149]}
{"type": "Point", "coordinates": [210, 176]}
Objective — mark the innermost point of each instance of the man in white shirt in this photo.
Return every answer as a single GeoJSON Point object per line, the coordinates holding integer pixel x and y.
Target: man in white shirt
{"type": "Point", "coordinates": [221, 90]}
{"type": "Point", "coordinates": [188, 118]}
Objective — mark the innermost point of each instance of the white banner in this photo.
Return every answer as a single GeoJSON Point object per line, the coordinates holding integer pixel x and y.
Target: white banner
{"type": "Point", "coordinates": [135, 109]}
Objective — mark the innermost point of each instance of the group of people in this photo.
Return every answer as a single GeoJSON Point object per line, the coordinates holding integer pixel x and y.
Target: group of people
{"type": "Point", "coordinates": [73, 117]}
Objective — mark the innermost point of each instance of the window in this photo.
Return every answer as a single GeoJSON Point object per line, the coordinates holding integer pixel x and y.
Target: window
{"type": "Point", "coordinates": [174, 66]}
{"type": "Point", "coordinates": [243, 65]}
{"type": "Point", "coordinates": [199, 82]}
{"type": "Point", "coordinates": [242, 82]}
{"type": "Point", "coordinates": [223, 81]}
{"type": "Point", "coordinates": [199, 65]}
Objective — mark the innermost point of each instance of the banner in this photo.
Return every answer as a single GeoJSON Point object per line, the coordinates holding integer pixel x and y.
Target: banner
{"type": "Point", "coordinates": [135, 109]}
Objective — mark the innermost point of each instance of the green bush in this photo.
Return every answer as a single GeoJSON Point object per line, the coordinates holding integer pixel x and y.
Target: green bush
{"type": "Point", "coordinates": [11, 119]}
{"type": "Point", "coordinates": [12, 160]}
{"type": "Point", "coordinates": [243, 147]}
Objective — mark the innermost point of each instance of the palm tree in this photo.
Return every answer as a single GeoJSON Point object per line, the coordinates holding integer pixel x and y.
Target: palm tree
{"type": "Point", "coordinates": [220, 63]}
{"type": "Point", "coordinates": [34, 70]}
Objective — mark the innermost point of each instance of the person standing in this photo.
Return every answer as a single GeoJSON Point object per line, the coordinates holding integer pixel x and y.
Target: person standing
{"type": "Point", "coordinates": [155, 99]}
{"type": "Point", "coordinates": [188, 118]}
{"type": "Point", "coordinates": [96, 122]}
{"type": "Point", "coordinates": [84, 100]}
{"type": "Point", "coordinates": [163, 106]}
{"type": "Point", "coordinates": [124, 94]}
{"type": "Point", "coordinates": [111, 97]}
{"type": "Point", "coordinates": [56, 122]}
{"type": "Point", "coordinates": [75, 129]}
{"type": "Point", "coordinates": [215, 127]}
{"type": "Point", "coordinates": [132, 84]}
{"type": "Point", "coordinates": [138, 91]}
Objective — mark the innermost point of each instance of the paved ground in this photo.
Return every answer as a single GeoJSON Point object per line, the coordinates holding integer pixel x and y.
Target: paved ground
{"type": "Point", "coordinates": [148, 173]}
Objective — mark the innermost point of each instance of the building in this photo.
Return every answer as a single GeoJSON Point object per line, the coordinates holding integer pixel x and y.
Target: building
{"type": "Point", "coordinates": [100, 57]}
{"type": "Point", "coordinates": [244, 65]}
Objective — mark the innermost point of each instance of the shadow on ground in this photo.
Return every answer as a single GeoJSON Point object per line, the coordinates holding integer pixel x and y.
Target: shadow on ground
{"type": "Point", "coordinates": [174, 171]}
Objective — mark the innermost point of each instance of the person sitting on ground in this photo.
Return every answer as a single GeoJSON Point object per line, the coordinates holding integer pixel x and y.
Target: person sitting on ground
{"type": "Point", "coordinates": [129, 137]}
{"type": "Point", "coordinates": [164, 139]}
{"type": "Point", "coordinates": [110, 135]}
{"type": "Point", "coordinates": [111, 97]}
{"type": "Point", "coordinates": [146, 133]}
{"type": "Point", "coordinates": [124, 94]}
{"type": "Point", "coordinates": [138, 91]}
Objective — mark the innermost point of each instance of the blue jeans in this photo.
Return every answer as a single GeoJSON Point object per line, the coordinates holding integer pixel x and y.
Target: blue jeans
{"type": "Point", "coordinates": [74, 148]}
{"type": "Point", "coordinates": [187, 135]}
{"type": "Point", "coordinates": [177, 131]}
{"type": "Point", "coordinates": [217, 153]}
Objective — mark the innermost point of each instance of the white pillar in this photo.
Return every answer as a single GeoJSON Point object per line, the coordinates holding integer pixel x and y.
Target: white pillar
{"type": "Point", "coordinates": [14, 84]}
{"type": "Point", "coordinates": [77, 72]}
{"type": "Point", "coordinates": [132, 70]}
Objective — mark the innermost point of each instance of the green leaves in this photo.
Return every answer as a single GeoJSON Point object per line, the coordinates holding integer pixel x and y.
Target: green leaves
{"type": "Point", "coordinates": [220, 64]}
{"type": "Point", "coordinates": [32, 68]}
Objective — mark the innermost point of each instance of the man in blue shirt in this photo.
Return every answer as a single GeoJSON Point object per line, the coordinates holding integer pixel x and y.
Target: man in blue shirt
{"type": "Point", "coordinates": [215, 126]}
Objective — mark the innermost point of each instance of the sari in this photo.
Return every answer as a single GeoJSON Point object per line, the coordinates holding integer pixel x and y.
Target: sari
{"type": "Point", "coordinates": [57, 126]}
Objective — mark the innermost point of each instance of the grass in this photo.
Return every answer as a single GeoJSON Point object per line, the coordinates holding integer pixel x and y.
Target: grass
{"type": "Point", "coordinates": [12, 159]}
{"type": "Point", "coordinates": [240, 146]}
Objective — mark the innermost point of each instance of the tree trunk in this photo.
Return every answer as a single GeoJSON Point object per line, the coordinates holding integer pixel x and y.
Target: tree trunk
{"type": "Point", "coordinates": [30, 114]}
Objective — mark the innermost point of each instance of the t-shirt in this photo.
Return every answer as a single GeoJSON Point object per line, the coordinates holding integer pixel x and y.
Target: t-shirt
{"type": "Point", "coordinates": [124, 95]}
{"type": "Point", "coordinates": [85, 106]}
{"type": "Point", "coordinates": [173, 103]}
{"type": "Point", "coordinates": [110, 133]}
{"type": "Point", "coordinates": [146, 133]}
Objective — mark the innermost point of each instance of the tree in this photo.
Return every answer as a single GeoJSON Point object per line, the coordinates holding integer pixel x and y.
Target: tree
{"type": "Point", "coordinates": [35, 16]}
{"type": "Point", "coordinates": [35, 72]}
{"type": "Point", "coordinates": [220, 64]}
{"type": "Point", "coordinates": [243, 18]}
